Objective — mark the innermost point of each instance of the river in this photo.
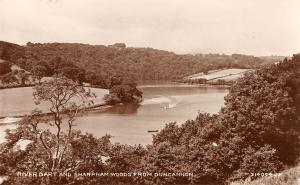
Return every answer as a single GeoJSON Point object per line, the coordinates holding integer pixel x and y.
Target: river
{"type": "Point", "coordinates": [129, 124]}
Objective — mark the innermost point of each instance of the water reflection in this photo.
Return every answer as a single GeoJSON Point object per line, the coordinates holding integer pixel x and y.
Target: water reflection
{"type": "Point", "coordinates": [129, 124]}
{"type": "Point", "coordinates": [123, 109]}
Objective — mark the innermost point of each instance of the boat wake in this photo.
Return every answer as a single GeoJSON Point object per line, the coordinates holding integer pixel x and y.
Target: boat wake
{"type": "Point", "coordinates": [168, 102]}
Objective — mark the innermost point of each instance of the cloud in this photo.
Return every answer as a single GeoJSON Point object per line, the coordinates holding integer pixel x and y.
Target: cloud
{"type": "Point", "coordinates": [259, 27]}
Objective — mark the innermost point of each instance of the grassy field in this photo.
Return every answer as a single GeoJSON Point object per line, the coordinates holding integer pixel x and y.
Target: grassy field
{"type": "Point", "coordinates": [226, 74]}
{"type": "Point", "coordinates": [287, 177]}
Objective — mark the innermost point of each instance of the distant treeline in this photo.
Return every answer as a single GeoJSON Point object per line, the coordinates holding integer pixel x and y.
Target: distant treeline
{"type": "Point", "coordinates": [204, 81]}
{"type": "Point", "coordinates": [96, 64]}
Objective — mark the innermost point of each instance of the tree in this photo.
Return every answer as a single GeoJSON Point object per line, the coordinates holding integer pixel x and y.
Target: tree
{"type": "Point", "coordinates": [55, 64]}
{"type": "Point", "coordinates": [51, 151]}
{"type": "Point", "coordinates": [73, 73]}
{"type": "Point", "coordinates": [124, 93]}
{"type": "Point", "coordinates": [63, 95]}
{"type": "Point", "coordinates": [262, 108]}
{"type": "Point", "coordinates": [39, 72]}
{"type": "Point", "coordinates": [24, 76]}
{"type": "Point", "coordinates": [9, 79]}
{"type": "Point", "coordinates": [4, 67]}
{"type": "Point", "coordinates": [116, 80]}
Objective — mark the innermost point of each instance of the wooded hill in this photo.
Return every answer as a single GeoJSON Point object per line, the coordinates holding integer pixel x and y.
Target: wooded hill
{"type": "Point", "coordinates": [103, 62]}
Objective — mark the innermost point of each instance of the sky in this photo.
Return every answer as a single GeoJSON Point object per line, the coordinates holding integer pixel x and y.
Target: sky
{"type": "Point", "coordinates": [255, 27]}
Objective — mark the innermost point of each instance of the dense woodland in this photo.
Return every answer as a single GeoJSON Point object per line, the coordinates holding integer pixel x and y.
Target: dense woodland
{"type": "Point", "coordinates": [257, 131]}
{"type": "Point", "coordinates": [96, 64]}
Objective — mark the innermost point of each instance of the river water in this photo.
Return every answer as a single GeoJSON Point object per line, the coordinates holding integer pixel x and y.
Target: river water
{"type": "Point", "coordinates": [129, 124]}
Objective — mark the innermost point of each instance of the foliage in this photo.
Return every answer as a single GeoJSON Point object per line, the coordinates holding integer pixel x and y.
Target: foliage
{"type": "Point", "coordinates": [123, 92]}
{"type": "Point", "coordinates": [12, 52]}
{"type": "Point", "coordinates": [9, 79]}
{"type": "Point", "coordinates": [257, 131]}
{"type": "Point", "coordinates": [16, 78]}
{"type": "Point", "coordinates": [50, 151]}
{"type": "Point", "coordinates": [263, 108]}
{"type": "Point", "coordinates": [4, 67]}
{"type": "Point", "coordinates": [105, 62]}
{"type": "Point", "coordinates": [39, 72]}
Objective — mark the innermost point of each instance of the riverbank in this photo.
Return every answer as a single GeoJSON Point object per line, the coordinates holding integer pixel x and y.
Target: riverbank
{"type": "Point", "coordinates": [32, 85]}
{"type": "Point", "coordinates": [91, 108]}
{"type": "Point", "coordinates": [141, 85]}
{"type": "Point", "coordinates": [185, 84]}
{"type": "Point", "coordinates": [16, 86]}
{"type": "Point", "coordinates": [18, 102]}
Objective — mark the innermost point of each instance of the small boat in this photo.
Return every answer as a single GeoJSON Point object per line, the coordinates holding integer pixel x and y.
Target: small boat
{"type": "Point", "coordinates": [152, 130]}
{"type": "Point", "coordinates": [165, 107]}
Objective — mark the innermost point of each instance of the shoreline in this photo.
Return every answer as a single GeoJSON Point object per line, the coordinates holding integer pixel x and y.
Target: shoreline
{"type": "Point", "coordinates": [182, 84]}
{"type": "Point", "coordinates": [17, 86]}
{"type": "Point", "coordinates": [172, 83]}
{"type": "Point", "coordinates": [98, 107]}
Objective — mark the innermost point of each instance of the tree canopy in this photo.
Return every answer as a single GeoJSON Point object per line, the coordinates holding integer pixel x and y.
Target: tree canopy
{"type": "Point", "coordinates": [96, 64]}
{"type": "Point", "coordinates": [123, 92]}
{"type": "Point", "coordinates": [257, 131]}
{"type": "Point", "coordinates": [5, 67]}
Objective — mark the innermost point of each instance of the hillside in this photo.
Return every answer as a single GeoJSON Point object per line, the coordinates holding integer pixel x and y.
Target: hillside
{"type": "Point", "coordinates": [102, 62]}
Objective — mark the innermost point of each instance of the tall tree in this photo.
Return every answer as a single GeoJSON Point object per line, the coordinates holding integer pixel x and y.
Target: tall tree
{"type": "Point", "coordinates": [66, 98]}
{"type": "Point", "coordinates": [50, 150]}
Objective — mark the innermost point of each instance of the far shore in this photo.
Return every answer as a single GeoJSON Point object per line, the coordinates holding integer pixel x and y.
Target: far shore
{"type": "Point", "coordinates": [139, 86]}
{"type": "Point", "coordinates": [32, 85]}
